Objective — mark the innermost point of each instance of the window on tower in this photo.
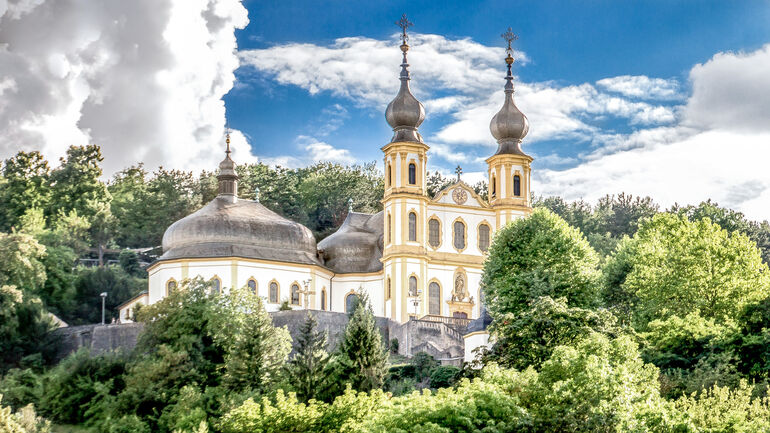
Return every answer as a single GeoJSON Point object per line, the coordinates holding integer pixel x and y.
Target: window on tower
{"type": "Point", "coordinates": [483, 237]}
{"type": "Point", "coordinates": [434, 233]}
{"type": "Point", "coordinates": [493, 186]}
{"type": "Point", "coordinates": [517, 185]}
{"type": "Point", "coordinates": [389, 230]}
{"type": "Point", "coordinates": [412, 174]}
{"type": "Point", "coordinates": [388, 291]}
{"type": "Point", "coordinates": [459, 235]}
{"type": "Point", "coordinates": [412, 286]}
{"type": "Point", "coordinates": [412, 226]}
{"type": "Point", "coordinates": [387, 175]}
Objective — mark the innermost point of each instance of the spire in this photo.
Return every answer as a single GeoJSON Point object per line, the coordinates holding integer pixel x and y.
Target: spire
{"type": "Point", "coordinates": [228, 179]}
{"type": "Point", "coordinates": [510, 125]}
{"type": "Point", "coordinates": [405, 113]}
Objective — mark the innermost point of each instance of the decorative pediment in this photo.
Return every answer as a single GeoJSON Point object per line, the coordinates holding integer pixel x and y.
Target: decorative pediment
{"type": "Point", "coordinates": [460, 194]}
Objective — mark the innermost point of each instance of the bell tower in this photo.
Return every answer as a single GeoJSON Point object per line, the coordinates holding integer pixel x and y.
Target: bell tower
{"type": "Point", "coordinates": [405, 200]}
{"type": "Point", "coordinates": [509, 167]}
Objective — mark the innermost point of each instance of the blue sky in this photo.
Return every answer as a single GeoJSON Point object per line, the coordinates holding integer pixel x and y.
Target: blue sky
{"type": "Point", "coordinates": [669, 99]}
{"type": "Point", "coordinates": [567, 43]}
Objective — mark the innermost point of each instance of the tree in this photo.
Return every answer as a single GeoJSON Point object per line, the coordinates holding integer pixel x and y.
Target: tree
{"type": "Point", "coordinates": [620, 215]}
{"type": "Point", "coordinates": [129, 262]}
{"type": "Point", "coordinates": [76, 185]}
{"type": "Point", "coordinates": [360, 358]}
{"type": "Point", "coordinates": [673, 266]}
{"type": "Point", "coordinates": [528, 338]}
{"type": "Point", "coordinates": [21, 265]}
{"type": "Point", "coordinates": [540, 255]}
{"type": "Point", "coordinates": [24, 325]}
{"type": "Point", "coordinates": [90, 282]}
{"type": "Point", "coordinates": [26, 185]}
{"type": "Point", "coordinates": [306, 370]}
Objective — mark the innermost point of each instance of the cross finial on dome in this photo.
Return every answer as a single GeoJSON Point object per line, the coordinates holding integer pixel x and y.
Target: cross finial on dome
{"type": "Point", "coordinates": [509, 37]}
{"type": "Point", "coordinates": [404, 23]}
{"type": "Point", "coordinates": [458, 171]}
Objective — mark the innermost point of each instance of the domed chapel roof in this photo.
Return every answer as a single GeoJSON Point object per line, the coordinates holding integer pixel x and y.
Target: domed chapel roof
{"type": "Point", "coordinates": [232, 227]}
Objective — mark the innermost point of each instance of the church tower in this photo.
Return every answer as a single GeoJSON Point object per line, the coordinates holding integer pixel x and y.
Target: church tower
{"type": "Point", "coordinates": [509, 167]}
{"type": "Point", "coordinates": [405, 201]}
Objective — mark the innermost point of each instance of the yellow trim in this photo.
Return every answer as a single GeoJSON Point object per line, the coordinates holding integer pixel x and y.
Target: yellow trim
{"type": "Point", "coordinates": [471, 334]}
{"type": "Point", "coordinates": [256, 284]}
{"type": "Point", "coordinates": [440, 295]}
{"type": "Point", "coordinates": [216, 277]}
{"type": "Point", "coordinates": [416, 177]}
{"type": "Point", "coordinates": [233, 274]}
{"type": "Point", "coordinates": [478, 236]}
{"type": "Point", "coordinates": [440, 232]}
{"type": "Point", "coordinates": [185, 271]}
{"type": "Point", "coordinates": [165, 286]}
{"type": "Point", "coordinates": [465, 234]}
{"type": "Point", "coordinates": [416, 286]}
{"type": "Point", "coordinates": [187, 261]}
{"type": "Point", "coordinates": [291, 293]}
{"type": "Point", "coordinates": [277, 292]}
{"type": "Point", "coordinates": [447, 190]}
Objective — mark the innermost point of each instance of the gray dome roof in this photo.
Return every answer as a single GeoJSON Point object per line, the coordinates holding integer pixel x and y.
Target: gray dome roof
{"type": "Point", "coordinates": [510, 125]}
{"type": "Point", "coordinates": [405, 113]}
{"type": "Point", "coordinates": [356, 246]}
{"type": "Point", "coordinates": [241, 228]}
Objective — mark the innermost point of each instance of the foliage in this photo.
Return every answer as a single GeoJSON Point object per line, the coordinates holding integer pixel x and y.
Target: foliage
{"type": "Point", "coordinates": [360, 357]}
{"type": "Point", "coordinates": [673, 266]}
{"type": "Point", "coordinates": [444, 376]}
{"type": "Point", "coordinates": [129, 262]}
{"type": "Point", "coordinates": [23, 421]}
{"type": "Point", "coordinates": [528, 338]}
{"type": "Point", "coordinates": [540, 255]}
{"type": "Point", "coordinates": [24, 326]}
{"type": "Point", "coordinates": [751, 342]}
{"type": "Point", "coordinates": [725, 410]}
{"type": "Point", "coordinates": [21, 265]}
{"type": "Point", "coordinates": [75, 183]}
{"type": "Point", "coordinates": [306, 371]}
{"type": "Point", "coordinates": [90, 282]}
{"type": "Point", "coordinates": [26, 185]}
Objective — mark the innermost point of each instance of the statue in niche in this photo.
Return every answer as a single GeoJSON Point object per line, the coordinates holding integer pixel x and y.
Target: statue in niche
{"type": "Point", "coordinates": [459, 293]}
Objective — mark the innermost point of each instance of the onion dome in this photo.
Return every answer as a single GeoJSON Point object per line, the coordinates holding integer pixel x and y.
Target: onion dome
{"type": "Point", "coordinates": [510, 125]}
{"type": "Point", "coordinates": [228, 227]}
{"type": "Point", "coordinates": [356, 246]}
{"type": "Point", "coordinates": [405, 113]}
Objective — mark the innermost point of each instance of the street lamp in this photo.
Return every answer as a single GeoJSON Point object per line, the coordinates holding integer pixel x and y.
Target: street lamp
{"type": "Point", "coordinates": [104, 296]}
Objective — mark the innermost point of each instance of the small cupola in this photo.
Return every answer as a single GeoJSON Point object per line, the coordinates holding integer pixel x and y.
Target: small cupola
{"type": "Point", "coordinates": [405, 113]}
{"type": "Point", "coordinates": [510, 125]}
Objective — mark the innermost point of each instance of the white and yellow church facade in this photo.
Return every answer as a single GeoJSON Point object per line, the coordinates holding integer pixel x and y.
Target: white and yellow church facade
{"type": "Point", "coordinates": [420, 256]}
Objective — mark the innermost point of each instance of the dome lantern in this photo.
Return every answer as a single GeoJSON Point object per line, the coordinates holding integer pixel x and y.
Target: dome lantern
{"type": "Point", "coordinates": [510, 125]}
{"type": "Point", "coordinates": [227, 177]}
{"type": "Point", "coordinates": [405, 113]}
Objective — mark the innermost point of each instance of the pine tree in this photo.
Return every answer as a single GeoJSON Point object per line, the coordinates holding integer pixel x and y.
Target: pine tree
{"type": "Point", "coordinates": [361, 357]}
{"type": "Point", "coordinates": [306, 370]}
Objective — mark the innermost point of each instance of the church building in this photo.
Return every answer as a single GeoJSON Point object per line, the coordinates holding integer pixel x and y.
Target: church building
{"type": "Point", "coordinates": [420, 257]}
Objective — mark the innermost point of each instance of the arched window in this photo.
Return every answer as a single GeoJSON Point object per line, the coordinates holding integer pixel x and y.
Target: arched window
{"type": "Point", "coordinates": [216, 285]}
{"type": "Point", "coordinates": [412, 286]}
{"type": "Point", "coordinates": [459, 235]}
{"type": "Point", "coordinates": [350, 302]}
{"type": "Point", "coordinates": [295, 294]}
{"type": "Point", "coordinates": [170, 287]}
{"type": "Point", "coordinates": [252, 283]}
{"type": "Point", "coordinates": [493, 186]}
{"type": "Point", "coordinates": [323, 299]}
{"type": "Point", "coordinates": [434, 299]}
{"type": "Point", "coordinates": [388, 290]}
{"type": "Point", "coordinates": [434, 233]}
{"type": "Point", "coordinates": [387, 175]}
{"type": "Point", "coordinates": [273, 295]}
{"type": "Point", "coordinates": [517, 185]}
{"type": "Point", "coordinates": [412, 174]}
{"type": "Point", "coordinates": [483, 237]}
{"type": "Point", "coordinates": [412, 226]}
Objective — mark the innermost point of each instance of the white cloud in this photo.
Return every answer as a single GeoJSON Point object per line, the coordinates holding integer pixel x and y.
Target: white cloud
{"type": "Point", "coordinates": [318, 151]}
{"type": "Point", "coordinates": [144, 79]}
{"type": "Point", "coordinates": [642, 87]}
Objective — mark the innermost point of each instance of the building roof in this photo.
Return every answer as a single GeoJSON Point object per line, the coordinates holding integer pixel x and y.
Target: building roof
{"type": "Point", "coordinates": [239, 228]}
{"type": "Point", "coordinates": [142, 294]}
{"type": "Point", "coordinates": [356, 246]}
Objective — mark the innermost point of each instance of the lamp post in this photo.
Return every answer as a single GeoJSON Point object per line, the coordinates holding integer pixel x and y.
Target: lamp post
{"type": "Point", "coordinates": [104, 296]}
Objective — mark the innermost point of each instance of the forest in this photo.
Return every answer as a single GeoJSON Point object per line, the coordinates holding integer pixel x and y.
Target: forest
{"type": "Point", "coordinates": [612, 316]}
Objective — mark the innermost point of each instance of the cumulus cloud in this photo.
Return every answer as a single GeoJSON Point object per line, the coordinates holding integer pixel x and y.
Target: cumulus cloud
{"type": "Point", "coordinates": [642, 87]}
{"type": "Point", "coordinates": [144, 79]}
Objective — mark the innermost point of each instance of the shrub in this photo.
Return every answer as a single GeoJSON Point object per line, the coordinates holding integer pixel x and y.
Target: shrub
{"type": "Point", "coordinates": [444, 376]}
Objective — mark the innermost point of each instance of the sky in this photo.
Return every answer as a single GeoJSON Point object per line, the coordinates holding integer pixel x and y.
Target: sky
{"type": "Point", "coordinates": [668, 99]}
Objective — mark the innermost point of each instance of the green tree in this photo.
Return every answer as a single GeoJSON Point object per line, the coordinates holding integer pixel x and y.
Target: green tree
{"type": "Point", "coordinates": [673, 266]}
{"type": "Point", "coordinates": [90, 282]}
{"type": "Point", "coordinates": [540, 255]}
{"type": "Point", "coordinates": [21, 265]}
{"type": "Point", "coordinates": [620, 215]}
{"type": "Point", "coordinates": [360, 358]}
{"type": "Point", "coordinates": [76, 185]}
{"type": "Point", "coordinates": [528, 338]}
{"type": "Point", "coordinates": [129, 262]}
{"type": "Point", "coordinates": [26, 185]}
{"type": "Point", "coordinates": [307, 369]}
{"type": "Point", "coordinates": [24, 325]}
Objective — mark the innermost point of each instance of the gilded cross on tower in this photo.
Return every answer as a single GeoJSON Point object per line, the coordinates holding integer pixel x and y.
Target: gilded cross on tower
{"type": "Point", "coordinates": [509, 37]}
{"type": "Point", "coordinates": [458, 171]}
{"type": "Point", "coordinates": [404, 24]}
